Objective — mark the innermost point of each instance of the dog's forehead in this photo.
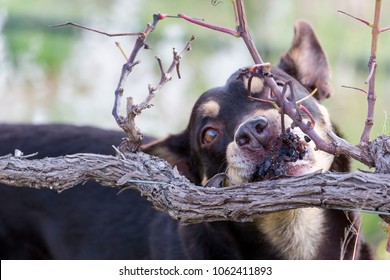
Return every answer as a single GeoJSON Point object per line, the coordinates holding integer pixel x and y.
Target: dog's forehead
{"type": "Point", "coordinates": [223, 102]}
{"type": "Point", "coordinates": [231, 102]}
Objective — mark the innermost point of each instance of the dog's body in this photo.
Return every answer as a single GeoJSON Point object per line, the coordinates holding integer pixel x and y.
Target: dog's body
{"type": "Point", "coordinates": [227, 132]}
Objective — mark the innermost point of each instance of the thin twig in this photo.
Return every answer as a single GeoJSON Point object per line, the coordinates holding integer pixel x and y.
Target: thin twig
{"type": "Point", "coordinates": [128, 67]}
{"type": "Point", "coordinates": [119, 46]}
{"type": "Point", "coordinates": [244, 31]}
{"type": "Point", "coordinates": [166, 76]}
{"type": "Point", "coordinates": [307, 96]}
{"type": "Point", "coordinates": [97, 31]}
{"type": "Point", "coordinates": [134, 136]}
{"type": "Point", "coordinates": [210, 26]}
{"type": "Point", "coordinates": [371, 70]}
{"type": "Point", "coordinates": [355, 88]}
{"type": "Point", "coordinates": [359, 19]}
{"type": "Point", "coordinates": [358, 233]}
{"type": "Point", "coordinates": [371, 97]}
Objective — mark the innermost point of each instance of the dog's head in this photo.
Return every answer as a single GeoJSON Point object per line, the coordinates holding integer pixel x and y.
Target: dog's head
{"type": "Point", "coordinates": [229, 132]}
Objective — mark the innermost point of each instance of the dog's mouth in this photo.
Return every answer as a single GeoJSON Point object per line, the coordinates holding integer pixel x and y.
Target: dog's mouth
{"type": "Point", "coordinates": [289, 155]}
{"type": "Point", "coordinates": [283, 155]}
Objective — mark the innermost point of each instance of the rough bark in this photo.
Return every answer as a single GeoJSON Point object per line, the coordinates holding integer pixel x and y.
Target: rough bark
{"type": "Point", "coordinates": [174, 194]}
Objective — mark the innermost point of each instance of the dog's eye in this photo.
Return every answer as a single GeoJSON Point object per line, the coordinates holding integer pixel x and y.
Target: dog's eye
{"type": "Point", "coordinates": [209, 135]}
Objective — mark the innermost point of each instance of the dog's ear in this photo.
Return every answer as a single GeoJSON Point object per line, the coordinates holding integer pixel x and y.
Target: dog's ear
{"type": "Point", "coordinates": [307, 62]}
{"type": "Point", "coordinates": [175, 149]}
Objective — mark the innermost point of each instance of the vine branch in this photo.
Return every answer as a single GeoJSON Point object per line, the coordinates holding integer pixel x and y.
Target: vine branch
{"type": "Point", "coordinates": [174, 194]}
{"type": "Point", "coordinates": [97, 31]}
{"type": "Point", "coordinates": [371, 97]}
{"type": "Point", "coordinates": [134, 137]}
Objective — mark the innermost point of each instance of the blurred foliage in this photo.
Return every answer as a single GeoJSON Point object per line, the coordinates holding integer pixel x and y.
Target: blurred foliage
{"type": "Point", "coordinates": [54, 74]}
{"type": "Point", "coordinates": [47, 49]}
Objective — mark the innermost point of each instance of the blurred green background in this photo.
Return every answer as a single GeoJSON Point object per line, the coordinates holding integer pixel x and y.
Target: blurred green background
{"type": "Point", "coordinates": [68, 75]}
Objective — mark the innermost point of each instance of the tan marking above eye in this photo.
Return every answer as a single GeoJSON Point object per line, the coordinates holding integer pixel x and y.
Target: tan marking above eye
{"type": "Point", "coordinates": [257, 84]}
{"type": "Point", "coordinates": [209, 135]}
{"type": "Point", "coordinates": [210, 109]}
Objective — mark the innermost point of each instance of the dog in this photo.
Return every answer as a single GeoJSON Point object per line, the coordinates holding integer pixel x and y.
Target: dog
{"type": "Point", "coordinates": [228, 132]}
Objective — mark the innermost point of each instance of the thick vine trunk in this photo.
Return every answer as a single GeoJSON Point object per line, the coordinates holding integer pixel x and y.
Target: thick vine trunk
{"type": "Point", "coordinates": [175, 195]}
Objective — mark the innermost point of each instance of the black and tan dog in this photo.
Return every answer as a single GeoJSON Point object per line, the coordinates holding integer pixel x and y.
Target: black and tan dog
{"type": "Point", "coordinates": [227, 132]}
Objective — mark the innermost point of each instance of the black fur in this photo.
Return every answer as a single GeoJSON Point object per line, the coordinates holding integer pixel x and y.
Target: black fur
{"type": "Point", "coordinates": [84, 222]}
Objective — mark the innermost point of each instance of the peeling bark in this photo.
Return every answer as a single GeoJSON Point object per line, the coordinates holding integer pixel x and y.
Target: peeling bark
{"type": "Point", "coordinates": [172, 193]}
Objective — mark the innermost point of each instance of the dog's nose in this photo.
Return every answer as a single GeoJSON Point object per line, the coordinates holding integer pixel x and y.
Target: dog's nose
{"type": "Point", "coordinates": [252, 133]}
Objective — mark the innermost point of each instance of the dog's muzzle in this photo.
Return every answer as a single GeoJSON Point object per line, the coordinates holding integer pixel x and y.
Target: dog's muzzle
{"type": "Point", "coordinates": [261, 151]}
